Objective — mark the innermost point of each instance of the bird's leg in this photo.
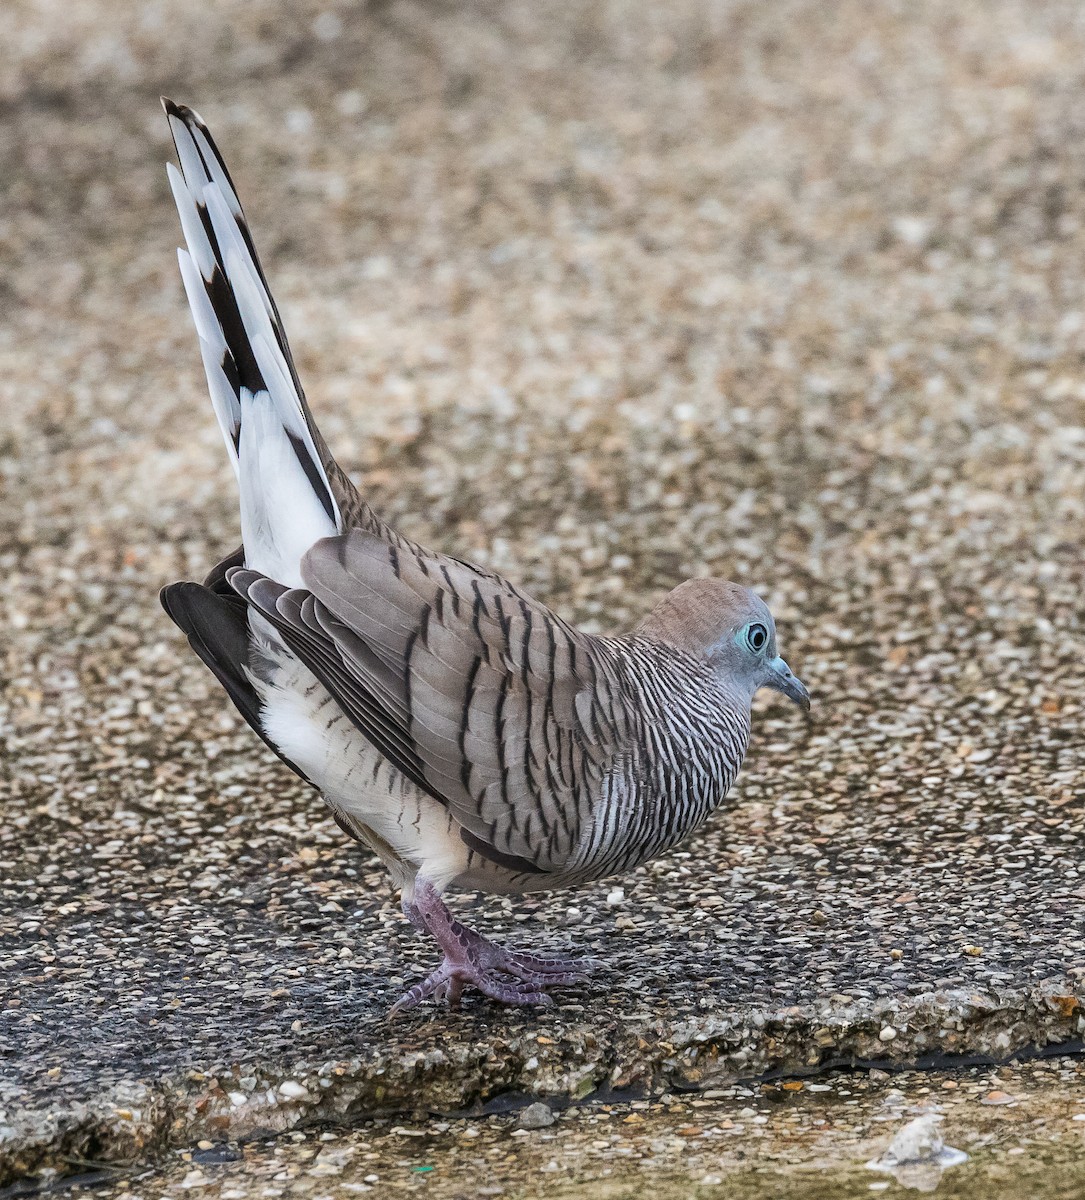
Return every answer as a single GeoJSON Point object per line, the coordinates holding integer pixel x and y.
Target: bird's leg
{"type": "Point", "coordinates": [509, 976]}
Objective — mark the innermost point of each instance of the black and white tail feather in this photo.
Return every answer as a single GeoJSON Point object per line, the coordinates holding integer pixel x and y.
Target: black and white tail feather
{"type": "Point", "coordinates": [287, 500]}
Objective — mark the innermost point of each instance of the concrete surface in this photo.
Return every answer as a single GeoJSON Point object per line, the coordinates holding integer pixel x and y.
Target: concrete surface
{"type": "Point", "coordinates": [603, 295]}
{"type": "Point", "coordinates": [1022, 1129]}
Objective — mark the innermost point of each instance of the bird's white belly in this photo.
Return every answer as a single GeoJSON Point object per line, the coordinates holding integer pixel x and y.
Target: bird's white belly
{"type": "Point", "coordinates": [300, 717]}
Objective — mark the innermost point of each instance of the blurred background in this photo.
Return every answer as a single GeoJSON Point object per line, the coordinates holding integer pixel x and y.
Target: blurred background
{"type": "Point", "coordinates": [603, 295]}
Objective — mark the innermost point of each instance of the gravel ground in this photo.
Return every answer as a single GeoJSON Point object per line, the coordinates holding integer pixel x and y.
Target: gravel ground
{"type": "Point", "coordinates": [604, 296]}
{"type": "Point", "coordinates": [1022, 1128]}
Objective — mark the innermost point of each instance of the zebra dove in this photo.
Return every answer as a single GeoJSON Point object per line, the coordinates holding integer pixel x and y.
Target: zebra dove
{"type": "Point", "coordinates": [466, 734]}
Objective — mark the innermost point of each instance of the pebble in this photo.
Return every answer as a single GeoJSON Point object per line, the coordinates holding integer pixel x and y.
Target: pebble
{"type": "Point", "coordinates": [537, 1116]}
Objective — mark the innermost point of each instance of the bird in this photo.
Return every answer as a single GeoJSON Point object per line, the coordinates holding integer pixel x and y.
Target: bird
{"type": "Point", "coordinates": [465, 733]}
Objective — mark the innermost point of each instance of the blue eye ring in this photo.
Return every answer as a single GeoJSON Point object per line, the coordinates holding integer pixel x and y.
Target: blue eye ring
{"type": "Point", "coordinates": [756, 637]}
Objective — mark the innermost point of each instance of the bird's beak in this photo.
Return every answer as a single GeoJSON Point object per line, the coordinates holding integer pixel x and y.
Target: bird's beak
{"type": "Point", "coordinates": [782, 680]}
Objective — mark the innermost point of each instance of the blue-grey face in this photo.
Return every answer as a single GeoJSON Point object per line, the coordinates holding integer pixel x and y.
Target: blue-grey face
{"type": "Point", "coordinates": [747, 652]}
{"type": "Point", "coordinates": [731, 627]}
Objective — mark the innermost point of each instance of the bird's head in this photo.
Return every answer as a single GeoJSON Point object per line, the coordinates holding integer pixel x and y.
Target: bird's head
{"type": "Point", "coordinates": [732, 628]}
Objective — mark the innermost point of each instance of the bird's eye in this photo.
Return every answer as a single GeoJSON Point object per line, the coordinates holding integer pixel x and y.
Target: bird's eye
{"type": "Point", "coordinates": [757, 637]}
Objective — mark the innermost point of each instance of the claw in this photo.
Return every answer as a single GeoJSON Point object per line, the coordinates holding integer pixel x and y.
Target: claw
{"type": "Point", "coordinates": [435, 984]}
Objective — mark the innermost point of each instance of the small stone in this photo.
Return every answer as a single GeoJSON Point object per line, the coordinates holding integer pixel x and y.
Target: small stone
{"type": "Point", "coordinates": [537, 1116]}
{"type": "Point", "coordinates": [887, 1033]}
{"type": "Point", "coordinates": [998, 1097]}
{"type": "Point", "coordinates": [299, 121]}
{"type": "Point", "coordinates": [290, 1090]}
{"type": "Point", "coordinates": [327, 26]}
{"type": "Point", "coordinates": [350, 103]}
{"type": "Point", "coordinates": [912, 231]}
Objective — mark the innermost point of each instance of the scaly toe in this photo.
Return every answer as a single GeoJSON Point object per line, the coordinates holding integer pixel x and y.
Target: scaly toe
{"type": "Point", "coordinates": [510, 993]}
{"type": "Point", "coordinates": [555, 969]}
{"type": "Point", "coordinates": [538, 979]}
{"type": "Point", "coordinates": [437, 983]}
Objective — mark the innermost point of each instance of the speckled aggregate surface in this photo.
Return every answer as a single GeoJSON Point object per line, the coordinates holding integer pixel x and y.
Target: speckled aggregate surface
{"type": "Point", "coordinates": [603, 296]}
{"type": "Point", "coordinates": [1022, 1129]}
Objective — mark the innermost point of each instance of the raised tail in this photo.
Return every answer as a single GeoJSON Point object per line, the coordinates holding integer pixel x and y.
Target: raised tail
{"type": "Point", "coordinates": [287, 501]}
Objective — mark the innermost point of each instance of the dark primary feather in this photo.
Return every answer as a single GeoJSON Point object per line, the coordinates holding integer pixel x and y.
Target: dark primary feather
{"type": "Point", "coordinates": [481, 696]}
{"type": "Point", "coordinates": [216, 621]}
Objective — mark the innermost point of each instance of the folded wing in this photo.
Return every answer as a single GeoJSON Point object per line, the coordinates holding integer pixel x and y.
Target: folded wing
{"type": "Point", "coordinates": [481, 696]}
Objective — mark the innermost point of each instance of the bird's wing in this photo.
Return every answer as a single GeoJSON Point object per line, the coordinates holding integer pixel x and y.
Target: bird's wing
{"type": "Point", "coordinates": [480, 695]}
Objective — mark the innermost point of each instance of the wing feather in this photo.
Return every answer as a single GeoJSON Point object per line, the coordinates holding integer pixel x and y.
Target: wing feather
{"type": "Point", "coordinates": [484, 698]}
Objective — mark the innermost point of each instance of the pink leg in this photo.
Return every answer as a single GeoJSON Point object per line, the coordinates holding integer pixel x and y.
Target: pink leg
{"type": "Point", "coordinates": [508, 976]}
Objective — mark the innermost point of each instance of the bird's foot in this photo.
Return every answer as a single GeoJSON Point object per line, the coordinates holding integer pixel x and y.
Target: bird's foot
{"type": "Point", "coordinates": [449, 980]}
{"type": "Point", "coordinates": [507, 976]}
{"type": "Point", "coordinates": [470, 960]}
